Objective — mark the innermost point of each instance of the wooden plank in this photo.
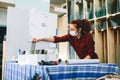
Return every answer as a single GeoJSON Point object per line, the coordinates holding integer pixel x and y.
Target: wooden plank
{"type": "Point", "coordinates": [118, 37]}
{"type": "Point", "coordinates": [4, 59]}
{"type": "Point", "coordinates": [84, 8]}
{"type": "Point", "coordinates": [105, 46]}
{"type": "Point", "coordinates": [63, 48]}
{"type": "Point", "coordinates": [99, 45]}
{"type": "Point", "coordinates": [98, 35]}
{"type": "Point", "coordinates": [118, 55]}
{"type": "Point", "coordinates": [111, 45]}
{"type": "Point", "coordinates": [5, 5]}
{"type": "Point", "coordinates": [90, 0]}
{"type": "Point", "coordinates": [118, 48]}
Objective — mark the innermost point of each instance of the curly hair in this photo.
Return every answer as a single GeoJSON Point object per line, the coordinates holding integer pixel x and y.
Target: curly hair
{"type": "Point", "coordinates": [84, 24]}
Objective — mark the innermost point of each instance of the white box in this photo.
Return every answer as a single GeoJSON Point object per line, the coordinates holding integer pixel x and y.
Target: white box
{"type": "Point", "coordinates": [30, 59]}
{"type": "Point", "coordinates": [35, 58]}
{"type": "Point", "coordinates": [51, 57]}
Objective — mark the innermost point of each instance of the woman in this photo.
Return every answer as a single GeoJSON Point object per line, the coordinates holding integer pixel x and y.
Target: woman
{"type": "Point", "coordinates": [78, 37]}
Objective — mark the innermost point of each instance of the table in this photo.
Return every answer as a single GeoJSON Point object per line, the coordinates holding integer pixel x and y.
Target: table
{"type": "Point", "coordinates": [14, 71]}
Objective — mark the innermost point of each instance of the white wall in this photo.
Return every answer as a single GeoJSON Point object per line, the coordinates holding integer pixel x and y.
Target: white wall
{"type": "Point", "coordinates": [21, 28]}
{"type": "Point", "coordinates": [17, 31]}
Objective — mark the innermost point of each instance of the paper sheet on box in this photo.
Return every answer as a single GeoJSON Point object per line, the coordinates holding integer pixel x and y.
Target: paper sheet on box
{"type": "Point", "coordinates": [84, 61]}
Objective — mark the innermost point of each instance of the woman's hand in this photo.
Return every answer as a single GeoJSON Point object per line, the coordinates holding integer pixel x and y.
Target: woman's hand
{"type": "Point", "coordinates": [87, 57]}
{"type": "Point", "coordinates": [35, 40]}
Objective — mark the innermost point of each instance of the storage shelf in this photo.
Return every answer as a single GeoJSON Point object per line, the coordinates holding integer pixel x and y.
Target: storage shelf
{"type": "Point", "coordinates": [115, 27]}
{"type": "Point", "coordinates": [90, 0]}
{"type": "Point", "coordinates": [115, 14]}
{"type": "Point", "coordinates": [91, 20]}
{"type": "Point", "coordinates": [105, 21]}
{"type": "Point", "coordinates": [102, 29]}
{"type": "Point", "coordinates": [103, 17]}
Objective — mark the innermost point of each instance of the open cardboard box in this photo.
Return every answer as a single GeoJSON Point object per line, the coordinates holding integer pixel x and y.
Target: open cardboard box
{"type": "Point", "coordinates": [109, 77]}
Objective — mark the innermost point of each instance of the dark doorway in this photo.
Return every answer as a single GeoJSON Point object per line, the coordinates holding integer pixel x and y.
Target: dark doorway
{"type": "Point", "coordinates": [2, 34]}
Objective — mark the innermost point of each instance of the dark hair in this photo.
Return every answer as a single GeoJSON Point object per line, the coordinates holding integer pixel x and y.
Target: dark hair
{"type": "Point", "coordinates": [84, 24]}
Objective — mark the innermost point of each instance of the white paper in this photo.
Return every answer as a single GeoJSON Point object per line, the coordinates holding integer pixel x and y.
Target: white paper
{"type": "Point", "coordinates": [85, 61]}
{"type": "Point", "coordinates": [42, 24]}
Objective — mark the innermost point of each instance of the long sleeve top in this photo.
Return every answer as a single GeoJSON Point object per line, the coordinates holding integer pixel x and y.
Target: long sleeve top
{"type": "Point", "coordinates": [83, 46]}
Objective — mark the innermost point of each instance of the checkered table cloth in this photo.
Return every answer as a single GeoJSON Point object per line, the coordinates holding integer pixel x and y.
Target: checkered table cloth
{"type": "Point", "coordinates": [14, 71]}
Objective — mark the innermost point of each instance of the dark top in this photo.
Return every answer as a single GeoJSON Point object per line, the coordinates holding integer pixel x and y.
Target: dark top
{"type": "Point", "coordinates": [83, 46]}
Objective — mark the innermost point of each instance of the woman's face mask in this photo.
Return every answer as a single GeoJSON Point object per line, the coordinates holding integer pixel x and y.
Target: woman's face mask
{"type": "Point", "coordinates": [73, 33]}
{"type": "Point", "coordinates": [73, 30]}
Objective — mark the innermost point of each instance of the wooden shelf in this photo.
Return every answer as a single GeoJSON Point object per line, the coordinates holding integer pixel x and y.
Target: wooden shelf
{"type": "Point", "coordinates": [102, 29]}
{"type": "Point", "coordinates": [91, 20]}
{"type": "Point", "coordinates": [115, 27]}
{"type": "Point", "coordinates": [115, 14]}
{"type": "Point", "coordinates": [90, 0]}
{"type": "Point", "coordinates": [5, 5]}
{"type": "Point", "coordinates": [100, 18]}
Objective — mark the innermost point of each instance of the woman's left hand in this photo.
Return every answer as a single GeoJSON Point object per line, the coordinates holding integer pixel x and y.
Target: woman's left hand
{"type": "Point", "coordinates": [87, 57]}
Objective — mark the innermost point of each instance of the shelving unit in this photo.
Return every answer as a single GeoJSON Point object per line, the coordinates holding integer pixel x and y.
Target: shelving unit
{"type": "Point", "coordinates": [104, 16]}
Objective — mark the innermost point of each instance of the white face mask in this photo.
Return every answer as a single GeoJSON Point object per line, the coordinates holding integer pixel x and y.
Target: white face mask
{"type": "Point", "coordinates": [73, 33]}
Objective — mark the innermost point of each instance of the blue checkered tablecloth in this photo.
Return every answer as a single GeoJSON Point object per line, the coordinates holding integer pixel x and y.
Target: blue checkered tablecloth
{"type": "Point", "coordinates": [14, 71]}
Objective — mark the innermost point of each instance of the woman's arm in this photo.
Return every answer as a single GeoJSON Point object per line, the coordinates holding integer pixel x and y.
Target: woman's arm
{"type": "Point", "coordinates": [54, 39]}
{"type": "Point", "coordinates": [43, 39]}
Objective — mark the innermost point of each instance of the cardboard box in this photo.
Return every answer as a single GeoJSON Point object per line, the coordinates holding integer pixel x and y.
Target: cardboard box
{"type": "Point", "coordinates": [109, 77]}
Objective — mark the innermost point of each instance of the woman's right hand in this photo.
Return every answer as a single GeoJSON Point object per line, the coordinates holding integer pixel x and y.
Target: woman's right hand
{"type": "Point", "coordinates": [34, 40]}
